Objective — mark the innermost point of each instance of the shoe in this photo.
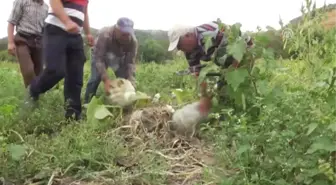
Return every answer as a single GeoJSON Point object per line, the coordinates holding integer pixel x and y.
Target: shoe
{"type": "Point", "coordinates": [72, 116]}
{"type": "Point", "coordinates": [30, 101]}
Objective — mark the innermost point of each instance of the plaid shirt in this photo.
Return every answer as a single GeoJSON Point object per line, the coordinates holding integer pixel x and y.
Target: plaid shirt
{"type": "Point", "coordinates": [28, 16]}
{"type": "Point", "coordinates": [218, 40]}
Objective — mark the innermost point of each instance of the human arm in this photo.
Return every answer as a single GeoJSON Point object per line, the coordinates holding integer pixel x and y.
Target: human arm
{"type": "Point", "coordinates": [194, 59]}
{"type": "Point", "coordinates": [99, 53]}
{"type": "Point", "coordinates": [86, 27]}
{"type": "Point", "coordinates": [58, 10]}
{"type": "Point", "coordinates": [13, 20]}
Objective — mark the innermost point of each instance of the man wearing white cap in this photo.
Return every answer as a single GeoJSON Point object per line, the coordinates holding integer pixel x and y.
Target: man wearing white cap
{"type": "Point", "coordinates": [190, 40]}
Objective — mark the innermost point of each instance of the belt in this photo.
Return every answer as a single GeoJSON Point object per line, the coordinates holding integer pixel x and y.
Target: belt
{"type": "Point", "coordinates": [29, 35]}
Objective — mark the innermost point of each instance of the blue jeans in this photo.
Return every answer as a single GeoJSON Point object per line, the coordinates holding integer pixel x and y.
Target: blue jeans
{"type": "Point", "coordinates": [95, 77]}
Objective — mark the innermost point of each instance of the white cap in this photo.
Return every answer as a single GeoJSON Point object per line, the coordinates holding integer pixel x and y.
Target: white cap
{"type": "Point", "coordinates": [175, 33]}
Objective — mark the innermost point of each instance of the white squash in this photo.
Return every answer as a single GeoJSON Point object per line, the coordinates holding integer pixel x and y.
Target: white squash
{"type": "Point", "coordinates": [123, 93]}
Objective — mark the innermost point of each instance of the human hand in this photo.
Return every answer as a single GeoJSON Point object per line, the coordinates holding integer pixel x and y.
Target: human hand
{"type": "Point", "coordinates": [90, 40]}
{"type": "Point", "coordinates": [107, 86]}
{"type": "Point", "coordinates": [11, 48]}
{"type": "Point", "coordinates": [72, 27]}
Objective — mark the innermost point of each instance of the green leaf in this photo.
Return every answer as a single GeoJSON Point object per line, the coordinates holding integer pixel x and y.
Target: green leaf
{"type": "Point", "coordinates": [222, 60]}
{"type": "Point", "coordinates": [214, 101]}
{"type": "Point", "coordinates": [140, 95]}
{"type": "Point", "coordinates": [236, 77]}
{"type": "Point", "coordinates": [311, 128]}
{"type": "Point", "coordinates": [332, 127]}
{"type": "Point", "coordinates": [208, 42]}
{"type": "Point", "coordinates": [209, 68]}
{"type": "Point", "coordinates": [17, 151]}
{"type": "Point", "coordinates": [324, 143]}
{"type": "Point", "coordinates": [237, 49]}
{"type": "Point", "coordinates": [242, 149]}
{"type": "Point", "coordinates": [180, 95]}
{"type": "Point", "coordinates": [102, 112]}
{"type": "Point", "coordinates": [91, 108]}
{"type": "Point", "coordinates": [235, 29]}
{"type": "Point", "coordinates": [263, 87]}
{"type": "Point", "coordinates": [142, 102]}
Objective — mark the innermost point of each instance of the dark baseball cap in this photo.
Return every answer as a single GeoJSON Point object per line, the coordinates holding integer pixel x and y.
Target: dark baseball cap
{"type": "Point", "coordinates": [125, 25]}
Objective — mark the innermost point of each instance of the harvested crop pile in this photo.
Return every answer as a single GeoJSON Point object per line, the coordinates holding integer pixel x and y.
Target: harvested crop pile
{"type": "Point", "coordinates": [185, 159]}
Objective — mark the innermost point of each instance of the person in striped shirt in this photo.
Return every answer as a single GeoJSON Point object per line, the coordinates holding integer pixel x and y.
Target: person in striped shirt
{"type": "Point", "coordinates": [190, 40]}
{"type": "Point", "coordinates": [63, 53]}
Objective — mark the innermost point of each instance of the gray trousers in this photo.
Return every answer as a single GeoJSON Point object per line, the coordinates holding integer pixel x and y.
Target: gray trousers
{"type": "Point", "coordinates": [95, 77]}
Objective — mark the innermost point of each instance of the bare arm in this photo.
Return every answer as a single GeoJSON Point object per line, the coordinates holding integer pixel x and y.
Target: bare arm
{"type": "Point", "coordinates": [86, 25]}
{"type": "Point", "coordinates": [10, 33]}
{"type": "Point", "coordinates": [58, 9]}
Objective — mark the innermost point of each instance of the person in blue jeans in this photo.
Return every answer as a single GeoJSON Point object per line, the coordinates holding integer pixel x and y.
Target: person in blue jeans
{"type": "Point", "coordinates": [63, 53]}
{"type": "Point", "coordinates": [116, 47]}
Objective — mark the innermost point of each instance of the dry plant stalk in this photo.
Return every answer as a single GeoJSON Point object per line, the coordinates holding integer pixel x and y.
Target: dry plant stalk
{"type": "Point", "coordinates": [186, 157]}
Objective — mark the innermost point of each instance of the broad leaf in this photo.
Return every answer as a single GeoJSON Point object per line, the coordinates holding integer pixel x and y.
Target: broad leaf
{"type": "Point", "coordinates": [91, 108]}
{"type": "Point", "coordinates": [235, 29]}
{"type": "Point", "coordinates": [102, 112]}
{"type": "Point", "coordinates": [242, 149]}
{"type": "Point", "coordinates": [140, 95]}
{"type": "Point", "coordinates": [16, 151]}
{"type": "Point", "coordinates": [332, 127]}
{"type": "Point", "coordinates": [142, 102]}
{"type": "Point", "coordinates": [222, 60]}
{"type": "Point", "coordinates": [237, 49]}
{"type": "Point", "coordinates": [236, 77]}
{"type": "Point", "coordinates": [214, 101]}
{"type": "Point", "coordinates": [311, 128]}
{"type": "Point", "coordinates": [180, 95]}
{"type": "Point", "coordinates": [209, 68]}
{"type": "Point", "coordinates": [324, 143]}
{"type": "Point", "coordinates": [208, 42]}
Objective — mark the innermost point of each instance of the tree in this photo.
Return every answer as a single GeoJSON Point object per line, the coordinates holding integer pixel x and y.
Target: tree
{"type": "Point", "coordinates": [152, 51]}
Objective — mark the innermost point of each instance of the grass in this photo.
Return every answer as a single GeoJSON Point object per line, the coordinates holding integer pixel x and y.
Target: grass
{"type": "Point", "coordinates": [269, 150]}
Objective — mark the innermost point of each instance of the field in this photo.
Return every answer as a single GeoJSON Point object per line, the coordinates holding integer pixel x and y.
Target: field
{"type": "Point", "coordinates": [275, 125]}
{"type": "Point", "coordinates": [37, 146]}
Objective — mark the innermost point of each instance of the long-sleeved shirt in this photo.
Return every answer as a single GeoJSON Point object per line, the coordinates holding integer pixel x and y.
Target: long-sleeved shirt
{"type": "Point", "coordinates": [218, 40]}
{"type": "Point", "coordinates": [107, 45]}
{"type": "Point", "coordinates": [28, 16]}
